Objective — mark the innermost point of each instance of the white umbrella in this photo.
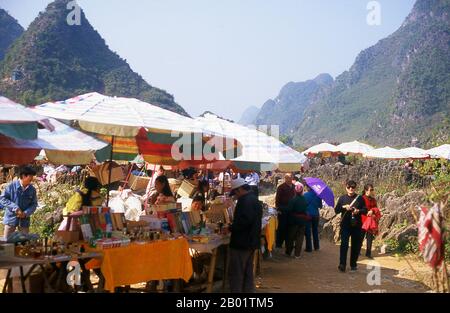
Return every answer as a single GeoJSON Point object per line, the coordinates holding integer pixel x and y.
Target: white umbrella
{"type": "Point", "coordinates": [354, 147]}
{"type": "Point", "coordinates": [259, 150]}
{"type": "Point", "coordinates": [321, 148]}
{"type": "Point", "coordinates": [386, 153]}
{"type": "Point", "coordinates": [415, 153]}
{"type": "Point", "coordinates": [442, 152]}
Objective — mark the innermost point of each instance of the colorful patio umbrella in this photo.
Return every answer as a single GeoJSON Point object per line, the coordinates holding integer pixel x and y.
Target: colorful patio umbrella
{"type": "Point", "coordinates": [122, 117]}
{"type": "Point", "coordinates": [321, 189]}
{"type": "Point", "coordinates": [259, 150]}
{"type": "Point", "coordinates": [20, 122]}
{"type": "Point", "coordinates": [64, 145]}
{"type": "Point", "coordinates": [354, 147]}
{"type": "Point", "coordinates": [126, 148]}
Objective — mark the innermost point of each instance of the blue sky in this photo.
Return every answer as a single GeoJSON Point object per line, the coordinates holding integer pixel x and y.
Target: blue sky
{"type": "Point", "coordinates": [224, 56]}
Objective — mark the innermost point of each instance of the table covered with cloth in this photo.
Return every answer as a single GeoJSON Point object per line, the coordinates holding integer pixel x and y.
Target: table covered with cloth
{"type": "Point", "coordinates": [136, 263]}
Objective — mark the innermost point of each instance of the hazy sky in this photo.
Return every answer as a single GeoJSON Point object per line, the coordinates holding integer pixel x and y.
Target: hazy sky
{"type": "Point", "coordinates": [224, 56]}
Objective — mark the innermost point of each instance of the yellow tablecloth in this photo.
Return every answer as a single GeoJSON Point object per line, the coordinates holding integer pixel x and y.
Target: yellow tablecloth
{"type": "Point", "coordinates": [270, 231]}
{"type": "Point", "coordinates": [137, 263]}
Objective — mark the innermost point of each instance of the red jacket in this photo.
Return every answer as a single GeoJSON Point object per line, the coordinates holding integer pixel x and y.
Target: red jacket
{"type": "Point", "coordinates": [371, 205]}
{"type": "Point", "coordinates": [284, 194]}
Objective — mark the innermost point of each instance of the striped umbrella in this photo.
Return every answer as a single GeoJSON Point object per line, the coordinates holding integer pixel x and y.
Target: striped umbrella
{"type": "Point", "coordinates": [20, 122]}
{"type": "Point", "coordinates": [120, 121]}
{"type": "Point", "coordinates": [124, 118]}
{"type": "Point", "coordinates": [64, 145]}
{"type": "Point", "coordinates": [126, 148]}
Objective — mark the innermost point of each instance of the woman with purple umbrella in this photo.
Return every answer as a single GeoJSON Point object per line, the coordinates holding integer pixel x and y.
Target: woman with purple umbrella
{"type": "Point", "coordinates": [317, 191]}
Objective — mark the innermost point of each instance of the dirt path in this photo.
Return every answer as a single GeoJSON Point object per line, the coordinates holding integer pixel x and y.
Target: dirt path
{"type": "Point", "coordinates": [317, 272]}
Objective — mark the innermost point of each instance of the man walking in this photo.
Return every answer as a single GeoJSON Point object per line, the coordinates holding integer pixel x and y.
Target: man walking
{"type": "Point", "coordinates": [19, 201]}
{"type": "Point", "coordinates": [285, 192]}
{"type": "Point", "coordinates": [350, 206]}
{"type": "Point", "coordinates": [245, 237]}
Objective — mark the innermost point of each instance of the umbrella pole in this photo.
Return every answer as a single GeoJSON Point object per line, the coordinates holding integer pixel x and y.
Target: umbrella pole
{"type": "Point", "coordinates": [223, 182]}
{"type": "Point", "coordinates": [110, 169]}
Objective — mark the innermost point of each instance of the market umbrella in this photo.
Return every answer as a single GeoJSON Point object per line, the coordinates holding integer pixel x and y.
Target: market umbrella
{"type": "Point", "coordinates": [260, 151]}
{"type": "Point", "coordinates": [63, 145]}
{"type": "Point", "coordinates": [120, 121]}
{"type": "Point", "coordinates": [415, 153]}
{"type": "Point", "coordinates": [321, 189]}
{"type": "Point", "coordinates": [354, 147]}
{"type": "Point", "coordinates": [324, 148]}
{"type": "Point", "coordinates": [386, 153]}
{"type": "Point", "coordinates": [20, 122]}
{"type": "Point", "coordinates": [441, 152]}
{"type": "Point", "coordinates": [124, 119]}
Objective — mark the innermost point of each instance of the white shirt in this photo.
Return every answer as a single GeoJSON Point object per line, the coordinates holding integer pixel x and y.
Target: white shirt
{"type": "Point", "coordinates": [252, 179]}
{"type": "Point", "coordinates": [227, 176]}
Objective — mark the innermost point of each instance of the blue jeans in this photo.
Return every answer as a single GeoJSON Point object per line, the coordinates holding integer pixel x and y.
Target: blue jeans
{"type": "Point", "coordinates": [346, 233]}
{"type": "Point", "coordinates": [312, 227]}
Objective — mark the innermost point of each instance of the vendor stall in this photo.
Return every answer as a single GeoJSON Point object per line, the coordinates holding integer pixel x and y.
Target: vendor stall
{"type": "Point", "coordinates": [137, 263]}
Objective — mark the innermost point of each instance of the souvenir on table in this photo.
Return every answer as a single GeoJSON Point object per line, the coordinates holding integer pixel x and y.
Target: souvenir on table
{"type": "Point", "coordinates": [187, 189]}
{"type": "Point", "coordinates": [96, 220]}
{"type": "Point", "coordinates": [221, 211]}
{"type": "Point", "coordinates": [138, 182]}
{"type": "Point", "coordinates": [107, 243]}
{"type": "Point", "coordinates": [154, 223]}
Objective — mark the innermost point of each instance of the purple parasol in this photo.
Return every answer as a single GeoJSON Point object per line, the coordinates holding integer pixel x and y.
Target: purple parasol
{"type": "Point", "coordinates": [321, 189]}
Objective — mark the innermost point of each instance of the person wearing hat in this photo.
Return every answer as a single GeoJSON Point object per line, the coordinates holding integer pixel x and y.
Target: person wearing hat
{"type": "Point", "coordinates": [297, 217]}
{"type": "Point", "coordinates": [245, 236]}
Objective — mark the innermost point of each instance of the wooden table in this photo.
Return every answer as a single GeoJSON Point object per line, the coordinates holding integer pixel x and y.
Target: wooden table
{"type": "Point", "coordinates": [12, 262]}
{"type": "Point", "coordinates": [212, 247]}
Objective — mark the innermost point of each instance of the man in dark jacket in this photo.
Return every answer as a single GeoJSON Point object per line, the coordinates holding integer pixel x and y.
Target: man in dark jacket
{"type": "Point", "coordinates": [285, 192]}
{"type": "Point", "coordinates": [351, 206]}
{"type": "Point", "coordinates": [245, 237]}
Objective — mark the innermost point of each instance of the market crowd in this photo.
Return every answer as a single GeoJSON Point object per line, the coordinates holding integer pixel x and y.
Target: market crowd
{"type": "Point", "coordinates": [297, 205]}
{"type": "Point", "coordinates": [298, 219]}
